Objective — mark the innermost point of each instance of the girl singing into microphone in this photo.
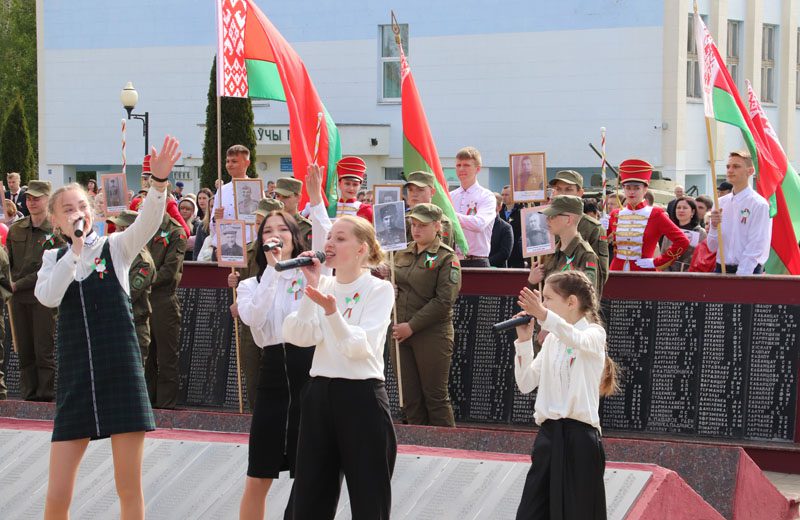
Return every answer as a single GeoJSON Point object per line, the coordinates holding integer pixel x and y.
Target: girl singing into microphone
{"type": "Point", "coordinates": [263, 303]}
{"type": "Point", "coordinates": [101, 389]}
{"type": "Point", "coordinates": [571, 372]}
{"type": "Point", "coordinates": [345, 426]}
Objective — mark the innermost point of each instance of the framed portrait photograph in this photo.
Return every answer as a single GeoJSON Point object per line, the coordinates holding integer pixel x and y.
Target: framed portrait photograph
{"type": "Point", "coordinates": [115, 190]}
{"type": "Point", "coordinates": [528, 177]}
{"type": "Point", "coordinates": [231, 246]}
{"type": "Point", "coordinates": [246, 195]}
{"type": "Point", "coordinates": [390, 225]}
{"type": "Point", "coordinates": [536, 237]}
{"type": "Point", "coordinates": [386, 193]}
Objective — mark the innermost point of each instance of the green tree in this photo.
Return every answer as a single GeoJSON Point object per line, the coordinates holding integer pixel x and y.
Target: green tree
{"type": "Point", "coordinates": [237, 128]}
{"type": "Point", "coordinates": [16, 150]}
{"type": "Point", "coordinates": [18, 61]}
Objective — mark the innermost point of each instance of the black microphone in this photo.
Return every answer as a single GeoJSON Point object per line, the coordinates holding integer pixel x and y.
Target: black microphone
{"type": "Point", "coordinates": [77, 227]}
{"type": "Point", "coordinates": [300, 261]}
{"type": "Point", "coordinates": [272, 245]}
{"type": "Point", "coordinates": [513, 322]}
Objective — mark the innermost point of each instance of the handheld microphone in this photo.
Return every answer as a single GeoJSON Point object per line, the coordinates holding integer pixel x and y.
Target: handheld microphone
{"type": "Point", "coordinates": [300, 261]}
{"type": "Point", "coordinates": [513, 322]}
{"type": "Point", "coordinates": [77, 227]}
{"type": "Point", "coordinates": [272, 245]}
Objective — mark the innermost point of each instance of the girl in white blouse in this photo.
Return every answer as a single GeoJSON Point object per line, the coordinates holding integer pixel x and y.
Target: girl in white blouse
{"type": "Point", "coordinates": [101, 389]}
{"type": "Point", "coordinates": [345, 426]}
{"type": "Point", "coordinates": [571, 372]}
{"type": "Point", "coordinates": [263, 302]}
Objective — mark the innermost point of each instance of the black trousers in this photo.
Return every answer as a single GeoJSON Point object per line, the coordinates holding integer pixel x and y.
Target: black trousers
{"type": "Point", "coordinates": [345, 431]}
{"type": "Point", "coordinates": [565, 481]}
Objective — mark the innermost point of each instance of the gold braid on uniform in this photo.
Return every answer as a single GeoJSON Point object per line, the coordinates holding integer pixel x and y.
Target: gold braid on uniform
{"type": "Point", "coordinates": [674, 256]}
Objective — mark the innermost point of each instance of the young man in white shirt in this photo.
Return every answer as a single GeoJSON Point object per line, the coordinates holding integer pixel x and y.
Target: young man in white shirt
{"type": "Point", "coordinates": [746, 225]}
{"type": "Point", "coordinates": [475, 208]}
{"type": "Point", "coordinates": [237, 159]}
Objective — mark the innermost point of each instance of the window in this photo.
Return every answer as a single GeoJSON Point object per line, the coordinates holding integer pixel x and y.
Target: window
{"type": "Point", "coordinates": [734, 50]}
{"type": "Point", "coordinates": [393, 174]}
{"type": "Point", "coordinates": [390, 63]}
{"type": "Point", "coordinates": [768, 52]}
{"type": "Point", "coordinates": [694, 79]}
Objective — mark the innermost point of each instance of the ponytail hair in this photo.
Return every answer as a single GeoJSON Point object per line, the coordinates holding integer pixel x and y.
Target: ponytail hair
{"type": "Point", "coordinates": [365, 233]}
{"type": "Point", "coordinates": [575, 283]}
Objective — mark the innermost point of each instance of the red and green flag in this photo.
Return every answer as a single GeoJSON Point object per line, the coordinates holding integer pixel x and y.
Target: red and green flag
{"type": "Point", "coordinates": [419, 149]}
{"type": "Point", "coordinates": [784, 256]}
{"type": "Point", "coordinates": [254, 60]}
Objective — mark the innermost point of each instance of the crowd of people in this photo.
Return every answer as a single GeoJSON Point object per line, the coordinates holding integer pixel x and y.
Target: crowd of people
{"type": "Point", "coordinates": [312, 342]}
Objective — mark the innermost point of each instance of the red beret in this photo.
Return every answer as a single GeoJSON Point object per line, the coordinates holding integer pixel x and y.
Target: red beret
{"type": "Point", "coordinates": [146, 165]}
{"type": "Point", "coordinates": [635, 170]}
{"type": "Point", "coordinates": [351, 166]}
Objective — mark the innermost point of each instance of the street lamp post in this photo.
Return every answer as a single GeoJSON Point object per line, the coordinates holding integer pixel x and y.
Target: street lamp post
{"type": "Point", "coordinates": [129, 97]}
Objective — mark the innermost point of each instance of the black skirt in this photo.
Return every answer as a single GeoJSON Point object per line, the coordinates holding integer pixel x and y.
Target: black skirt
{"type": "Point", "coordinates": [276, 417]}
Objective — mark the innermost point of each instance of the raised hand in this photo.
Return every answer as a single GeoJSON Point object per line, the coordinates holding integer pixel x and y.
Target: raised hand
{"type": "Point", "coordinates": [314, 183]}
{"type": "Point", "coordinates": [326, 301]}
{"type": "Point", "coordinates": [531, 303]}
{"type": "Point", "coordinates": [162, 162]}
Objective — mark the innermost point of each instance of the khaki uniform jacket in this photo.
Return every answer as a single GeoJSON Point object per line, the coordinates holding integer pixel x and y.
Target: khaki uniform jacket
{"type": "Point", "coordinates": [167, 248]}
{"type": "Point", "coordinates": [427, 287]}
{"type": "Point", "coordinates": [305, 230]}
{"type": "Point", "coordinates": [593, 232]}
{"type": "Point", "coordinates": [578, 256]}
{"type": "Point", "coordinates": [26, 245]}
{"type": "Point", "coordinates": [141, 277]}
{"type": "Point", "coordinates": [446, 236]}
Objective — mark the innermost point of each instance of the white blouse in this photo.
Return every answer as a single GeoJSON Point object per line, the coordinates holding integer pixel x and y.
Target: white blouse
{"type": "Point", "coordinates": [264, 305]}
{"type": "Point", "coordinates": [567, 370]}
{"type": "Point", "coordinates": [55, 275]}
{"type": "Point", "coordinates": [350, 341]}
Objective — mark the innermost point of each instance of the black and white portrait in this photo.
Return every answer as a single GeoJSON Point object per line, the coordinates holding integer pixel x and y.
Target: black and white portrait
{"type": "Point", "coordinates": [247, 193]}
{"type": "Point", "coordinates": [390, 225]}
{"type": "Point", "coordinates": [115, 192]}
{"type": "Point", "coordinates": [536, 237]}
{"type": "Point", "coordinates": [230, 243]}
{"type": "Point", "coordinates": [386, 193]}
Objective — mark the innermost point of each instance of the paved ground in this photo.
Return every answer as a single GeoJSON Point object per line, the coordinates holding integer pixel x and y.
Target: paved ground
{"type": "Point", "coordinates": [787, 483]}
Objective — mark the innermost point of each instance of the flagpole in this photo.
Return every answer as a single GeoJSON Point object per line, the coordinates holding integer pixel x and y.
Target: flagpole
{"type": "Point", "coordinates": [396, 342]}
{"type": "Point", "coordinates": [721, 249]}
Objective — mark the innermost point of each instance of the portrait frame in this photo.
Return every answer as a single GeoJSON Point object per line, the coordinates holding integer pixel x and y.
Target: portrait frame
{"type": "Point", "coordinates": [114, 187]}
{"type": "Point", "coordinates": [379, 191]}
{"type": "Point", "coordinates": [544, 242]}
{"type": "Point", "coordinates": [392, 238]}
{"type": "Point", "coordinates": [532, 188]}
{"type": "Point", "coordinates": [248, 211]}
{"type": "Point", "coordinates": [239, 259]}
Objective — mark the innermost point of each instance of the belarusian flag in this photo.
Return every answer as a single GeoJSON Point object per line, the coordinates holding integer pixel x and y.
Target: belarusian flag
{"type": "Point", "coordinates": [419, 150]}
{"type": "Point", "coordinates": [254, 60]}
{"type": "Point", "coordinates": [784, 256]}
{"type": "Point", "coordinates": [722, 103]}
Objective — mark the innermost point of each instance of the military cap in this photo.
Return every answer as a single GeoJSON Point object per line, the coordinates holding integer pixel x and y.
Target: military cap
{"type": "Point", "coordinates": [426, 213]}
{"type": "Point", "coordinates": [288, 186]}
{"type": "Point", "coordinates": [564, 204]}
{"type": "Point", "coordinates": [266, 205]}
{"type": "Point", "coordinates": [568, 176]}
{"type": "Point", "coordinates": [38, 188]}
{"type": "Point", "coordinates": [124, 219]}
{"type": "Point", "coordinates": [421, 179]}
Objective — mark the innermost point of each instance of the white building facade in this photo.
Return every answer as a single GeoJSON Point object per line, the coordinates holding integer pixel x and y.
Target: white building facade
{"type": "Point", "coordinates": [507, 77]}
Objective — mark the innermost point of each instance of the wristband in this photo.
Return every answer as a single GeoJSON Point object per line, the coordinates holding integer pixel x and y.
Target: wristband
{"type": "Point", "coordinates": [158, 179]}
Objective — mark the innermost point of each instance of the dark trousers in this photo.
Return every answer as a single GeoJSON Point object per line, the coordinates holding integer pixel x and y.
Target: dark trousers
{"type": "Point", "coordinates": [731, 269]}
{"type": "Point", "coordinates": [345, 430]}
{"type": "Point", "coordinates": [161, 368]}
{"type": "Point", "coordinates": [34, 330]}
{"type": "Point", "coordinates": [142, 324]}
{"type": "Point", "coordinates": [565, 481]}
{"type": "Point", "coordinates": [425, 370]}
{"type": "Point", "coordinates": [3, 389]}
{"type": "Point", "coordinates": [251, 363]}
{"type": "Point", "coordinates": [475, 262]}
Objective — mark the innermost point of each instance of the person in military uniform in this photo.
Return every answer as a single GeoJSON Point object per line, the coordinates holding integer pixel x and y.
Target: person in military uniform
{"type": "Point", "coordinates": [420, 187]}
{"type": "Point", "coordinates": [34, 324]}
{"type": "Point", "coordinates": [287, 190]}
{"type": "Point", "coordinates": [428, 278]}
{"type": "Point", "coordinates": [250, 353]}
{"type": "Point", "coordinates": [390, 228]}
{"type": "Point", "coordinates": [570, 182]}
{"type": "Point", "coordinates": [5, 294]}
{"type": "Point", "coordinates": [167, 248]}
{"type": "Point", "coordinates": [229, 246]}
{"type": "Point", "coordinates": [140, 277]}
{"type": "Point", "coordinates": [573, 252]}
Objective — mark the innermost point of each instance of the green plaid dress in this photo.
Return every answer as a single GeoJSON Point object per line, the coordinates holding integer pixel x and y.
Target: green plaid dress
{"type": "Point", "coordinates": [101, 389]}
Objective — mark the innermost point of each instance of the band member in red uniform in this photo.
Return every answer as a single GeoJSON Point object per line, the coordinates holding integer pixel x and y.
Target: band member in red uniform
{"type": "Point", "coordinates": [351, 171]}
{"type": "Point", "coordinates": [636, 228]}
